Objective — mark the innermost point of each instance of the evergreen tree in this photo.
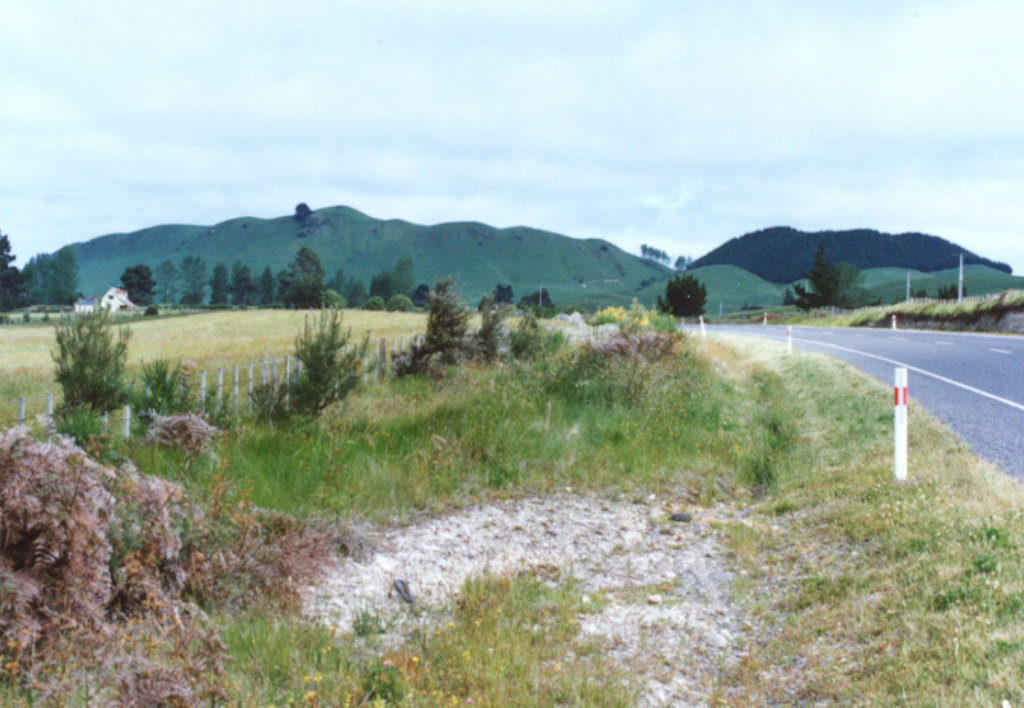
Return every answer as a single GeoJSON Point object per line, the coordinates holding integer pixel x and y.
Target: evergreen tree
{"type": "Point", "coordinates": [167, 277]}
{"type": "Point", "coordinates": [138, 281]}
{"type": "Point", "coordinates": [35, 279]}
{"type": "Point", "coordinates": [243, 289]}
{"type": "Point", "coordinates": [306, 280]}
{"type": "Point", "coordinates": [382, 285]}
{"type": "Point", "coordinates": [266, 287]}
{"type": "Point", "coordinates": [823, 281]}
{"type": "Point", "coordinates": [402, 279]}
{"type": "Point", "coordinates": [355, 292]}
{"type": "Point", "coordinates": [10, 278]}
{"type": "Point", "coordinates": [220, 283]}
{"type": "Point", "coordinates": [193, 273]}
{"type": "Point", "coordinates": [421, 294]}
{"type": "Point", "coordinates": [337, 281]}
{"type": "Point", "coordinates": [685, 296]}
{"type": "Point", "coordinates": [63, 286]}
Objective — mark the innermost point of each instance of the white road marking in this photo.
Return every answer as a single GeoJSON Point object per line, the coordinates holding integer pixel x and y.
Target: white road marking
{"type": "Point", "coordinates": [924, 372]}
{"type": "Point", "coordinates": [938, 377]}
{"type": "Point", "coordinates": [1001, 351]}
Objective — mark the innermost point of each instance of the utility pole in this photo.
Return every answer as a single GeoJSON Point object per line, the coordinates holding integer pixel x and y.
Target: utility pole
{"type": "Point", "coordinates": [908, 286]}
{"type": "Point", "coordinates": [719, 308]}
{"type": "Point", "coordinates": [960, 285]}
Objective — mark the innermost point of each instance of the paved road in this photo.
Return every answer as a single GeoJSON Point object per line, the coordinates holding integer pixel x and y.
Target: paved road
{"type": "Point", "coordinates": [974, 382]}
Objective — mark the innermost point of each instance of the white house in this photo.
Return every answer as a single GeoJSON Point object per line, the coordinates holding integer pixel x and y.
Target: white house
{"type": "Point", "coordinates": [115, 300]}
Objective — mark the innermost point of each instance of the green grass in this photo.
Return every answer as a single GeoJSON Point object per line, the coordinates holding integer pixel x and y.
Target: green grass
{"type": "Point", "coordinates": [869, 591]}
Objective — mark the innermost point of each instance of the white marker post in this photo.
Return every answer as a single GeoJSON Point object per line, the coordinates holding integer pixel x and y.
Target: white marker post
{"type": "Point", "coordinates": [765, 323]}
{"type": "Point", "coordinates": [789, 339]}
{"type": "Point", "coordinates": [901, 425]}
{"type": "Point", "coordinates": [894, 323]}
{"type": "Point", "coordinates": [703, 332]}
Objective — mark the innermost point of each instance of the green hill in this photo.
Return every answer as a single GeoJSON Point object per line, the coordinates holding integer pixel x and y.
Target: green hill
{"type": "Point", "coordinates": [729, 287]}
{"type": "Point", "coordinates": [782, 254]}
{"type": "Point", "coordinates": [588, 272]}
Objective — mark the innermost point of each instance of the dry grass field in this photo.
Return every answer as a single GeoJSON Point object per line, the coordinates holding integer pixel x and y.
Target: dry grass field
{"type": "Point", "coordinates": [210, 340]}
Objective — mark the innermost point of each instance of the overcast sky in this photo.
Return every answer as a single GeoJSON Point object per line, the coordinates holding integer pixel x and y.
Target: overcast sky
{"type": "Point", "coordinates": [679, 124]}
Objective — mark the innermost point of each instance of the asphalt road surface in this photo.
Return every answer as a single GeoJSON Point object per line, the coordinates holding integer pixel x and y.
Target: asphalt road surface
{"type": "Point", "coordinates": [973, 382]}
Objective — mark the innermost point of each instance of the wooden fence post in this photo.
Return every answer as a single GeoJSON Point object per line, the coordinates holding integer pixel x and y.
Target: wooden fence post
{"type": "Point", "coordinates": [202, 388]}
{"type": "Point", "coordinates": [382, 362]}
{"type": "Point", "coordinates": [234, 388]}
{"type": "Point", "coordinates": [249, 388]}
{"type": "Point", "coordinates": [126, 422]}
{"type": "Point", "coordinates": [220, 386]}
{"type": "Point", "coordinates": [21, 410]}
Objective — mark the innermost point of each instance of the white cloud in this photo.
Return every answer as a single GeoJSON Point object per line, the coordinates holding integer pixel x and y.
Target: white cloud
{"type": "Point", "coordinates": [676, 124]}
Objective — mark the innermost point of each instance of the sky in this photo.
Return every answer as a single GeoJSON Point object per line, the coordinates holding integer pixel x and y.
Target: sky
{"type": "Point", "coordinates": [675, 124]}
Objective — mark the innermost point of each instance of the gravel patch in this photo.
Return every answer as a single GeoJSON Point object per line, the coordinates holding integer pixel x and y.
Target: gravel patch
{"type": "Point", "coordinates": [665, 609]}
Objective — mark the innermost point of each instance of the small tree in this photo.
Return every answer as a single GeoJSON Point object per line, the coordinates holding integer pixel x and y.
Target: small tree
{"type": "Point", "coordinates": [90, 363]}
{"type": "Point", "coordinates": [220, 283]}
{"type": "Point", "coordinates": [685, 296]}
{"type": "Point", "coordinates": [491, 336]}
{"type": "Point", "coordinates": [138, 282]}
{"type": "Point", "coordinates": [329, 371]}
{"type": "Point", "coordinates": [375, 303]}
{"type": "Point", "coordinates": [305, 280]}
{"type": "Point", "coordinates": [447, 324]}
{"type": "Point", "coordinates": [823, 283]}
{"type": "Point", "coordinates": [167, 277]}
{"type": "Point", "coordinates": [302, 212]}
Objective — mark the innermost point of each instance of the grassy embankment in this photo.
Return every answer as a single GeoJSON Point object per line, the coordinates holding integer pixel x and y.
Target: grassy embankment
{"type": "Point", "coordinates": [870, 591]}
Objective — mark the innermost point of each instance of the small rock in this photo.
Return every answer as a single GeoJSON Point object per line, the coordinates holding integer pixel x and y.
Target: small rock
{"type": "Point", "coordinates": [717, 640]}
{"type": "Point", "coordinates": [654, 599]}
{"type": "Point", "coordinates": [684, 518]}
{"type": "Point", "coordinates": [652, 497]}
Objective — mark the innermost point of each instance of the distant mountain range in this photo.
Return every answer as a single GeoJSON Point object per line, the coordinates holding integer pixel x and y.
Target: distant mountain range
{"type": "Point", "coordinates": [783, 254]}
{"type": "Point", "coordinates": [753, 269]}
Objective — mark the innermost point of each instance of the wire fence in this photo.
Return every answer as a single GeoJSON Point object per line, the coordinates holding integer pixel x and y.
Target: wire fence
{"type": "Point", "coordinates": [233, 386]}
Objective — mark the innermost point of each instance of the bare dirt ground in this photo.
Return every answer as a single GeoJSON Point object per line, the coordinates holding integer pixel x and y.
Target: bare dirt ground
{"type": "Point", "coordinates": [665, 609]}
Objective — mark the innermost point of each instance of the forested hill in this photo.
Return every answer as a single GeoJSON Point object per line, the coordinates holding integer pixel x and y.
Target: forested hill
{"type": "Point", "coordinates": [782, 254]}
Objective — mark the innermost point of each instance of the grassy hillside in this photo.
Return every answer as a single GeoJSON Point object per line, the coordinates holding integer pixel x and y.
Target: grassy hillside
{"type": "Point", "coordinates": [891, 283]}
{"type": "Point", "coordinates": [588, 272]}
{"type": "Point", "coordinates": [731, 286]}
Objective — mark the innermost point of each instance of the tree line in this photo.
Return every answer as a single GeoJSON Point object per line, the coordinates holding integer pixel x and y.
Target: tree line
{"type": "Point", "coordinates": [45, 279]}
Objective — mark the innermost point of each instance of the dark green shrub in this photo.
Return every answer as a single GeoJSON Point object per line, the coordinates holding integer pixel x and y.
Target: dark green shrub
{"type": "Point", "coordinates": [400, 303]}
{"type": "Point", "coordinates": [329, 370]}
{"type": "Point", "coordinates": [490, 338]}
{"type": "Point", "coordinates": [526, 340]}
{"type": "Point", "coordinates": [90, 363]}
{"type": "Point", "coordinates": [447, 324]}
{"type": "Point", "coordinates": [333, 300]}
{"type": "Point", "coordinates": [375, 303]}
{"type": "Point", "coordinates": [152, 311]}
{"type": "Point", "coordinates": [270, 403]}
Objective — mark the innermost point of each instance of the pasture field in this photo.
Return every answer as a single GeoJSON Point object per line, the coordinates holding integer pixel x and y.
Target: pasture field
{"type": "Point", "coordinates": [860, 590]}
{"type": "Point", "coordinates": [210, 340]}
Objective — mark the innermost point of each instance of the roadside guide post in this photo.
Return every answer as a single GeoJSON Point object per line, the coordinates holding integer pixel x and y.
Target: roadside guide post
{"type": "Point", "coordinates": [901, 425]}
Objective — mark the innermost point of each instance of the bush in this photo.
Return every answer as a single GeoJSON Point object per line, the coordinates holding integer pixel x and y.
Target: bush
{"type": "Point", "coordinates": [447, 324]}
{"type": "Point", "coordinates": [526, 340]}
{"type": "Point", "coordinates": [400, 303]}
{"type": "Point", "coordinates": [613, 371]}
{"type": "Point", "coordinates": [490, 338]}
{"type": "Point", "coordinates": [334, 301]}
{"type": "Point", "coordinates": [90, 364]}
{"type": "Point", "coordinates": [152, 311]}
{"type": "Point", "coordinates": [375, 303]}
{"type": "Point", "coordinates": [329, 370]}
{"type": "Point", "coordinates": [164, 390]}
{"type": "Point", "coordinates": [270, 401]}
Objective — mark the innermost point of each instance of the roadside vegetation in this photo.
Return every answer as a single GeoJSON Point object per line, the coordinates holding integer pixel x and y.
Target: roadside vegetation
{"type": "Point", "coordinates": [865, 590]}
